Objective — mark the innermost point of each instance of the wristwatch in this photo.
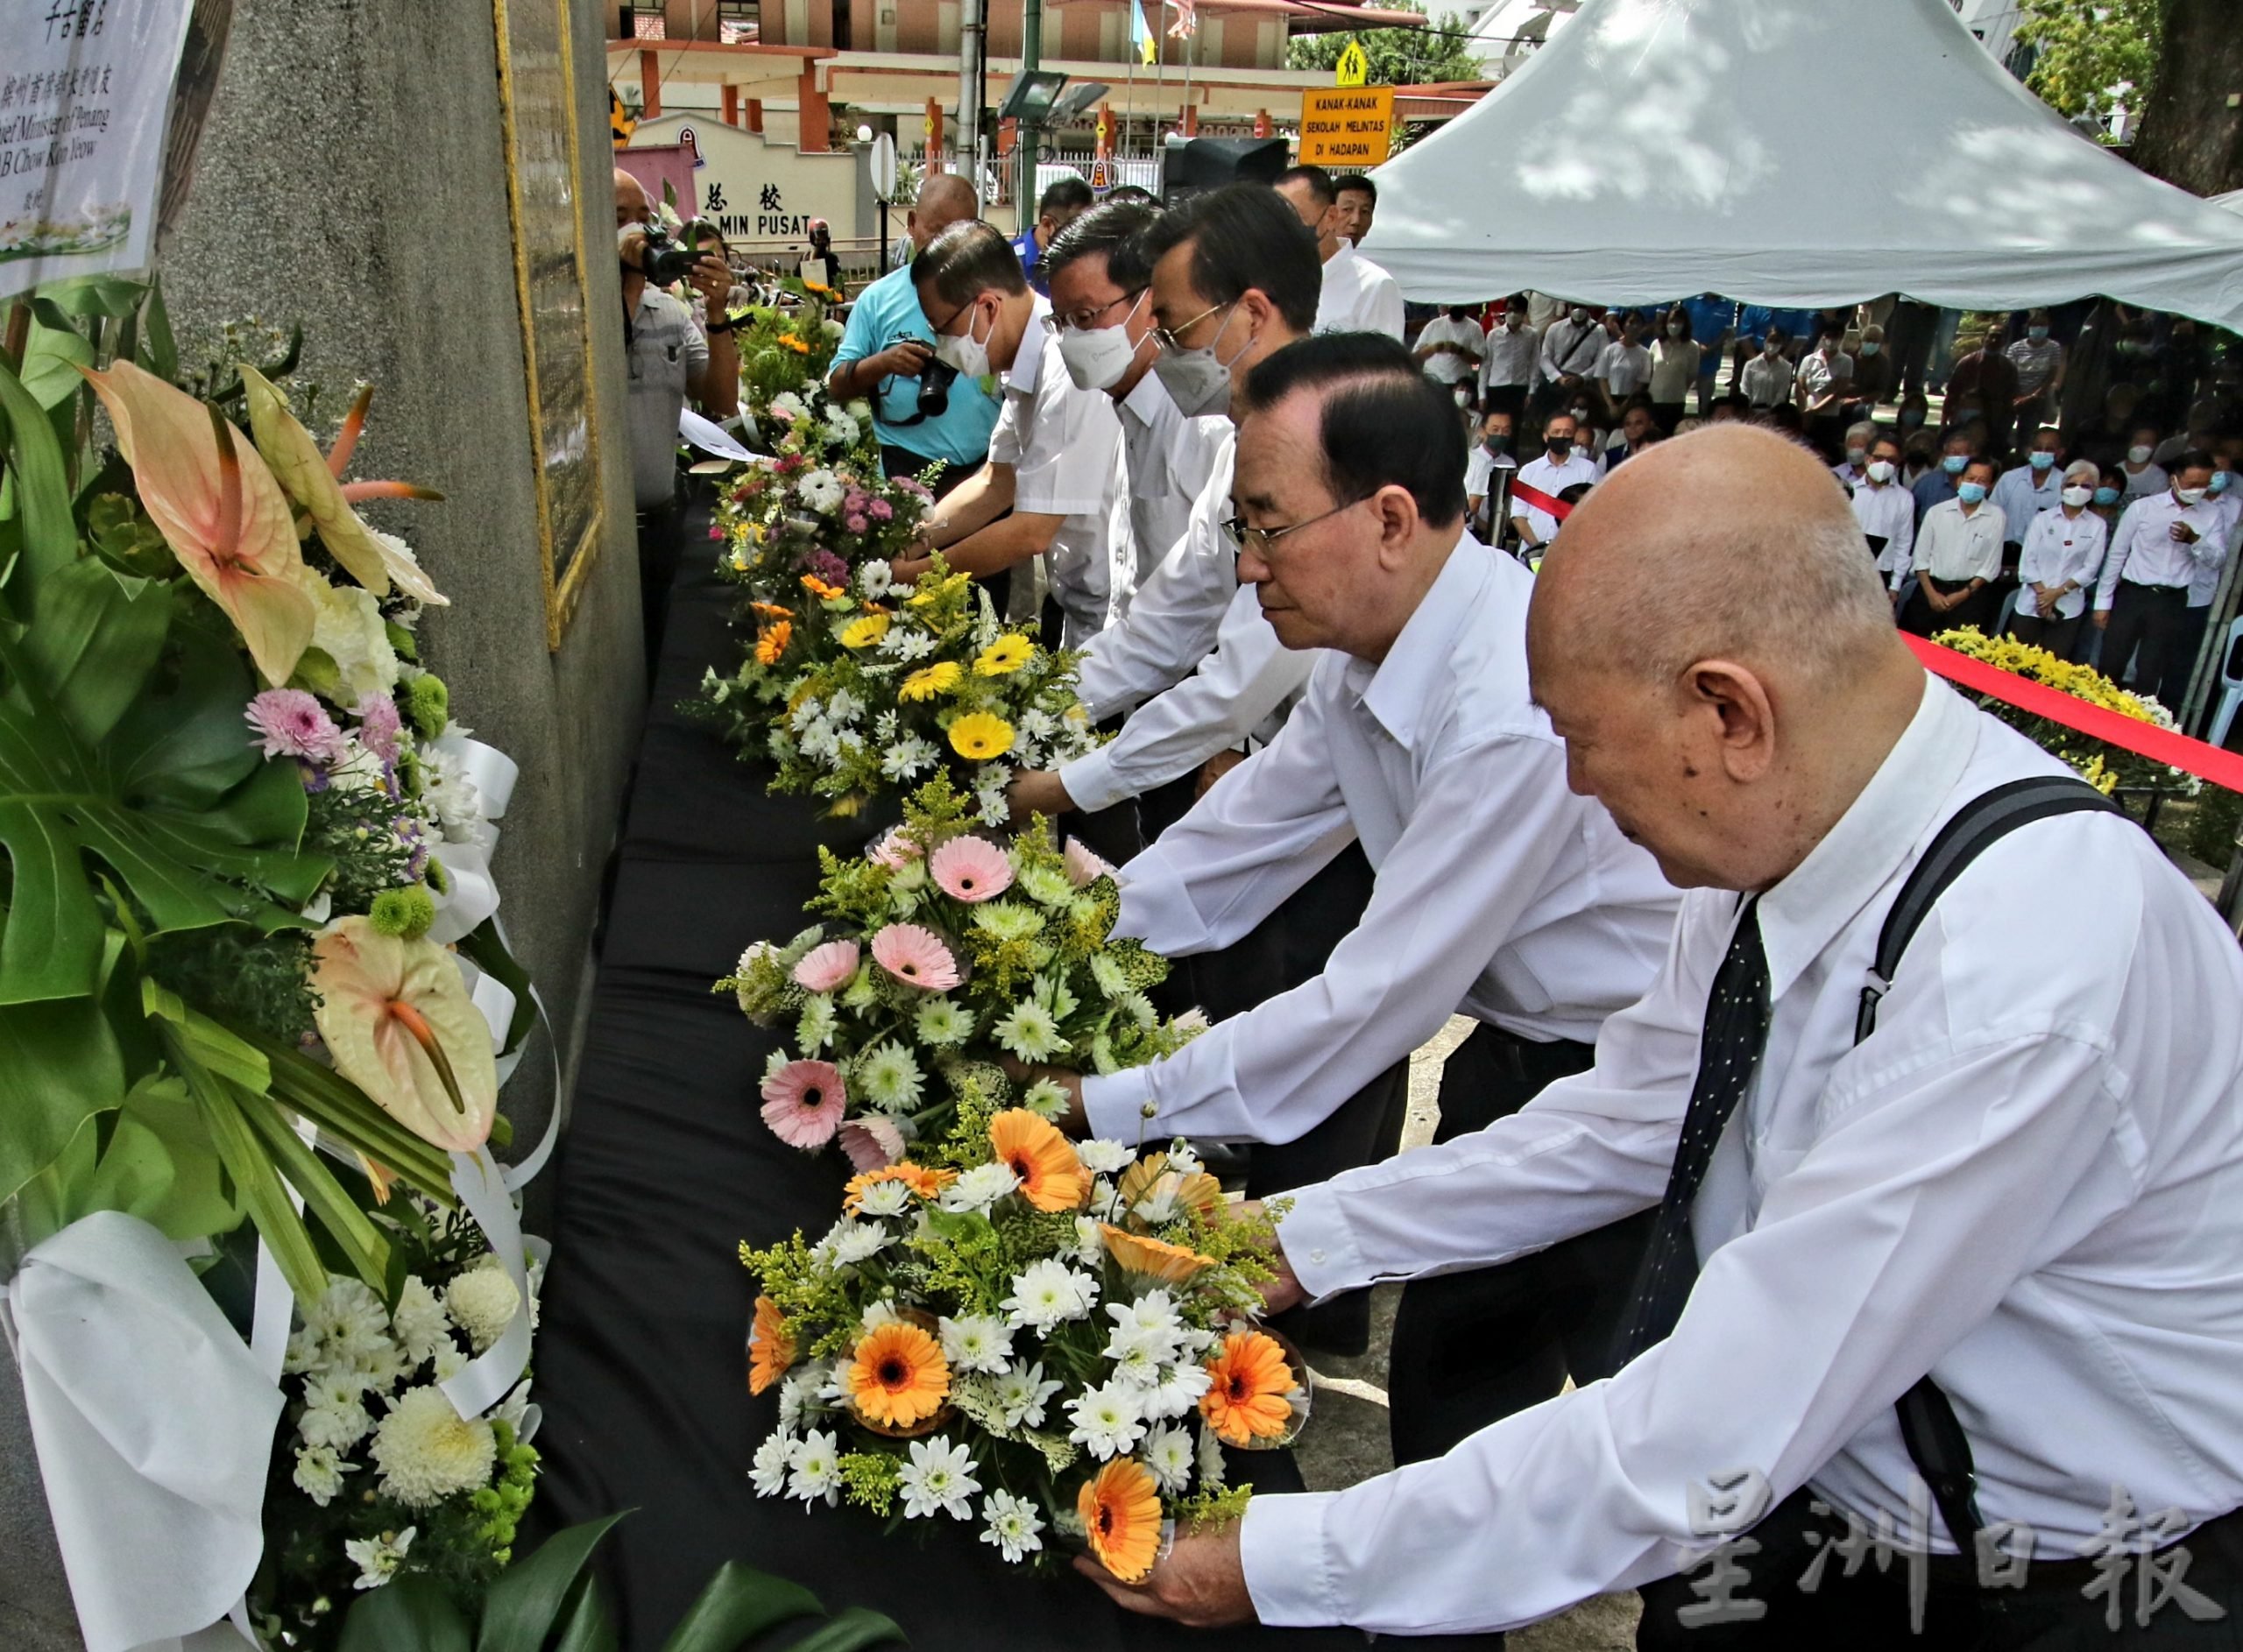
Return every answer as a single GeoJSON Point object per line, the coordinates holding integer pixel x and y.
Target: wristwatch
{"type": "Point", "coordinates": [724, 326]}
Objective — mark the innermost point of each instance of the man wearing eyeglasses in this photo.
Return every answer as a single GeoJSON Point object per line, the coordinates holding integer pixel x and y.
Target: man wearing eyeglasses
{"type": "Point", "coordinates": [1053, 454]}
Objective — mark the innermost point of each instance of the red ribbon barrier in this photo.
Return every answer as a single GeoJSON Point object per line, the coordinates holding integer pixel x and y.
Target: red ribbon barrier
{"type": "Point", "coordinates": [2144, 739]}
{"type": "Point", "coordinates": [1548, 503]}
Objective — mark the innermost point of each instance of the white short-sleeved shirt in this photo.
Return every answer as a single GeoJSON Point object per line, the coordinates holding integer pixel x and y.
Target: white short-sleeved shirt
{"type": "Point", "coordinates": [1359, 297]}
{"type": "Point", "coordinates": [1625, 367]}
{"type": "Point", "coordinates": [1446, 366]}
{"type": "Point", "coordinates": [1062, 444]}
{"type": "Point", "coordinates": [1766, 380]}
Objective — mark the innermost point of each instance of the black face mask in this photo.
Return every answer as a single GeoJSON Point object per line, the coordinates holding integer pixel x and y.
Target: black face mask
{"type": "Point", "coordinates": [1560, 447]}
{"type": "Point", "coordinates": [1497, 443]}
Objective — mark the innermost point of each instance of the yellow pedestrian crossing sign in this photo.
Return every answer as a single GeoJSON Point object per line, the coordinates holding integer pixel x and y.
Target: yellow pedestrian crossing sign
{"type": "Point", "coordinates": [1354, 67]}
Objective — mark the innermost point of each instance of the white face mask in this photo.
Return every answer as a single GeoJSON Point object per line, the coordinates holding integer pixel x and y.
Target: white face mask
{"type": "Point", "coordinates": [2077, 497]}
{"type": "Point", "coordinates": [2188, 496]}
{"type": "Point", "coordinates": [1580, 316]}
{"type": "Point", "coordinates": [1675, 329]}
{"type": "Point", "coordinates": [1880, 472]}
{"type": "Point", "coordinates": [1096, 358]}
{"type": "Point", "coordinates": [2137, 455]}
{"type": "Point", "coordinates": [965, 352]}
{"type": "Point", "coordinates": [1197, 381]}
{"type": "Point", "coordinates": [1855, 456]}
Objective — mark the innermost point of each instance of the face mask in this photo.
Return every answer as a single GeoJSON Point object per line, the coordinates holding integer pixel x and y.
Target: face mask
{"type": "Point", "coordinates": [1456, 313]}
{"type": "Point", "coordinates": [2036, 334]}
{"type": "Point", "coordinates": [1869, 347]}
{"type": "Point", "coordinates": [1496, 443]}
{"type": "Point", "coordinates": [1855, 456]}
{"type": "Point", "coordinates": [1880, 472]}
{"type": "Point", "coordinates": [1511, 319]}
{"type": "Point", "coordinates": [2220, 479]}
{"type": "Point", "coordinates": [2076, 497]}
{"type": "Point", "coordinates": [1580, 413]}
{"type": "Point", "coordinates": [1195, 379]}
{"type": "Point", "coordinates": [1583, 449]}
{"type": "Point", "coordinates": [965, 352]}
{"type": "Point", "coordinates": [1097, 359]}
{"type": "Point", "coordinates": [2137, 455]}
{"type": "Point", "coordinates": [1579, 315]}
{"type": "Point", "coordinates": [1971, 492]}
{"type": "Point", "coordinates": [1561, 448]}
{"type": "Point", "coordinates": [2106, 495]}
{"type": "Point", "coordinates": [2041, 461]}
{"type": "Point", "coordinates": [1675, 329]}
{"type": "Point", "coordinates": [1772, 349]}
{"type": "Point", "coordinates": [2188, 496]}
{"type": "Point", "coordinates": [1463, 396]}
{"type": "Point", "coordinates": [1954, 463]}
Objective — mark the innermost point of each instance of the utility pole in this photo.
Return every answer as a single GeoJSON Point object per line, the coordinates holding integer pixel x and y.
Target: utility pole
{"type": "Point", "coordinates": [1031, 56]}
{"type": "Point", "coordinates": [969, 93]}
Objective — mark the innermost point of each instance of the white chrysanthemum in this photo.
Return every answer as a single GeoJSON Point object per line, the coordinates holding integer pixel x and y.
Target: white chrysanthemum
{"type": "Point", "coordinates": [979, 1187]}
{"type": "Point", "coordinates": [859, 1242]}
{"type": "Point", "coordinates": [797, 1394]}
{"type": "Point", "coordinates": [789, 406]}
{"type": "Point", "coordinates": [1030, 1032]}
{"type": "Point", "coordinates": [1168, 1454]}
{"type": "Point", "coordinates": [377, 1558]}
{"type": "Point", "coordinates": [1090, 1244]}
{"type": "Point", "coordinates": [347, 1316]}
{"type": "Point", "coordinates": [1102, 1157]}
{"type": "Point", "coordinates": [814, 1468]}
{"type": "Point", "coordinates": [978, 1342]}
{"type": "Point", "coordinates": [821, 491]}
{"type": "Point", "coordinates": [447, 789]}
{"type": "Point", "coordinates": [1107, 1420]}
{"type": "Point", "coordinates": [1023, 1394]}
{"type": "Point", "coordinates": [450, 1360]}
{"type": "Point", "coordinates": [773, 1460]}
{"type": "Point", "coordinates": [845, 707]}
{"type": "Point", "coordinates": [420, 1320]}
{"type": "Point", "coordinates": [907, 644]}
{"type": "Point", "coordinates": [1011, 1523]}
{"type": "Point", "coordinates": [1047, 885]}
{"type": "Point", "coordinates": [347, 627]}
{"type": "Point", "coordinates": [807, 712]}
{"type": "Point", "coordinates": [1181, 1158]}
{"type": "Point", "coordinates": [909, 756]}
{"type": "Point", "coordinates": [1212, 1469]}
{"type": "Point", "coordinates": [840, 429]}
{"type": "Point", "coordinates": [942, 1022]}
{"type": "Point", "coordinates": [482, 1302]}
{"type": "Point", "coordinates": [332, 1416]}
{"type": "Point", "coordinates": [1133, 1363]}
{"type": "Point", "coordinates": [1177, 1394]}
{"type": "Point", "coordinates": [1107, 972]}
{"type": "Point", "coordinates": [891, 1080]}
{"type": "Point", "coordinates": [937, 1480]}
{"type": "Point", "coordinates": [319, 1473]}
{"type": "Point", "coordinates": [1048, 1292]}
{"type": "Point", "coordinates": [885, 1198]}
{"type": "Point", "coordinates": [427, 1452]}
{"type": "Point", "coordinates": [304, 1353]}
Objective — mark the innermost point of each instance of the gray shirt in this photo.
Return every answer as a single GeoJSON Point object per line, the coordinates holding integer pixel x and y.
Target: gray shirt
{"type": "Point", "coordinates": [666, 351]}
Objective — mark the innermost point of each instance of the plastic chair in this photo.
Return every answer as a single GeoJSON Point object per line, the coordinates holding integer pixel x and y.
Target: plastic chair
{"type": "Point", "coordinates": [2231, 682]}
{"type": "Point", "coordinates": [2008, 611]}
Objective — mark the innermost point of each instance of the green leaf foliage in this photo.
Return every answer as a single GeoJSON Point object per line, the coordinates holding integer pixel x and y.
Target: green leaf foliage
{"type": "Point", "coordinates": [1398, 56]}
{"type": "Point", "coordinates": [2091, 54]}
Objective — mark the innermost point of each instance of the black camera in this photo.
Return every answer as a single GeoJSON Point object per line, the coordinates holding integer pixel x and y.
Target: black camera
{"type": "Point", "coordinates": [935, 380]}
{"type": "Point", "coordinates": [668, 258]}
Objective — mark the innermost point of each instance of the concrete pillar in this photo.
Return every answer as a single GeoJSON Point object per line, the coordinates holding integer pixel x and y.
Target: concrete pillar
{"type": "Point", "coordinates": [814, 125]}
{"type": "Point", "coordinates": [1190, 120]}
{"type": "Point", "coordinates": [731, 104]}
{"type": "Point", "coordinates": [934, 135]}
{"type": "Point", "coordinates": [755, 114]}
{"type": "Point", "coordinates": [650, 85]}
{"type": "Point", "coordinates": [1261, 123]}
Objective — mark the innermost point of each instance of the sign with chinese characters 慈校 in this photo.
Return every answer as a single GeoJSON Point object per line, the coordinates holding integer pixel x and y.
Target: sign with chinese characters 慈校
{"type": "Point", "coordinates": [85, 91]}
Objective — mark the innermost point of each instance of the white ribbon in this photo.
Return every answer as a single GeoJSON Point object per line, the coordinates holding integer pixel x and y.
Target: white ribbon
{"type": "Point", "coordinates": [486, 1379]}
{"type": "Point", "coordinates": [471, 894]}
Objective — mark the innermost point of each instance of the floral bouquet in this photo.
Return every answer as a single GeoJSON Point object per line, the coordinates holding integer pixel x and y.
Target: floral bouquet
{"type": "Point", "coordinates": [948, 952]}
{"type": "Point", "coordinates": [378, 1476]}
{"type": "Point", "coordinates": [2110, 768]}
{"type": "Point", "coordinates": [781, 345]}
{"type": "Point", "coordinates": [909, 688]}
{"type": "Point", "coordinates": [1011, 1330]}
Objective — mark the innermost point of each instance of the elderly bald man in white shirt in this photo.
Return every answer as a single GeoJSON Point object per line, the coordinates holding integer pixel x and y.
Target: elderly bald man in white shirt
{"type": "Point", "coordinates": [1998, 1181]}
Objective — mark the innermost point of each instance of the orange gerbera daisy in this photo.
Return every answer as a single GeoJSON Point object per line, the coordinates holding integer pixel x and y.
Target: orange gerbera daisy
{"type": "Point", "coordinates": [1150, 1258]}
{"type": "Point", "coordinates": [1246, 1402]}
{"type": "Point", "coordinates": [770, 1346]}
{"type": "Point", "coordinates": [1150, 1178]}
{"type": "Point", "coordinates": [1121, 1514]}
{"type": "Point", "coordinates": [1051, 1175]}
{"type": "Point", "coordinates": [772, 610]}
{"type": "Point", "coordinates": [924, 1182]}
{"type": "Point", "coordinates": [772, 640]}
{"type": "Point", "coordinates": [898, 1376]}
{"type": "Point", "coordinates": [820, 589]}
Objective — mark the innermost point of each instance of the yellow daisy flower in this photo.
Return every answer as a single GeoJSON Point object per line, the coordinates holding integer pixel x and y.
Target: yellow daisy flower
{"type": "Point", "coordinates": [864, 632]}
{"type": "Point", "coordinates": [1006, 655]}
{"type": "Point", "coordinates": [980, 735]}
{"type": "Point", "coordinates": [929, 680]}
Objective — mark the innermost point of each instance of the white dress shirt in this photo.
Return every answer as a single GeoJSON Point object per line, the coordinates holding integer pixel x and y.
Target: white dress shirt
{"type": "Point", "coordinates": [1445, 367]}
{"type": "Point", "coordinates": [2023, 493]}
{"type": "Point", "coordinates": [1498, 891]}
{"type": "Point", "coordinates": [1553, 479]}
{"type": "Point", "coordinates": [1817, 373]}
{"type": "Point", "coordinates": [2029, 1181]}
{"type": "Point", "coordinates": [1766, 380]}
{"type": "Point", "coordinates": [1242, 689]}
{"type": "Point", "coordinates": [1062, 444]}
{"type": "Point", "coordinates": [2144, 551]}
{"type": "Point", "coordinates": [1625, 367]}
{"type": "Point", "coordinates": [1510, 356]}
{"type": "Point", "coordinates": [2150, 479]}
{"type": "Point", "coordinates": [1952, 545]}
{"type": "Point", "coordinates": [2058, 547]}
{"type": "Point", "coordinates": [1890, 513]}
{"type": "Point", "coordinates": [1358, 297]}
{"type": "Point", "coordinates": [1571, 347]}
{"type": "Point", "coordinates": [1173, 618]}
{"type": "Point", "coordinates": [1168, 459]}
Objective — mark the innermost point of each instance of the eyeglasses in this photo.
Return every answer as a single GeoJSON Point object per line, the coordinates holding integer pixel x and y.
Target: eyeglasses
{"type": "Point", "coordinates": [1086, 321]}
{"type": "Point", "coordinates": [1173, 338]}
{"type": "Point", "coordinates": [1259, 540]}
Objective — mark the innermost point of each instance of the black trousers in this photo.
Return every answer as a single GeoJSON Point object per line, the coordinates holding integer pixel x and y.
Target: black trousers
{"type": "Point", "coordinates": [2059, 637]}
{"type": "Point", "coordinates": [662, 547]}
{"type": "Point", "coordinates": [1918, 617]}
{"type": "Point", "coordinates": [2181, 665]}
{"type": "Point", "coordinates": [1471, 1348]}
{"type": "Point", "coordinates": [1511, 399]}
{"type": "Point", "coordinates": [2153, 618]}
{"type": "Point", "coordinates": [1794, 1563]}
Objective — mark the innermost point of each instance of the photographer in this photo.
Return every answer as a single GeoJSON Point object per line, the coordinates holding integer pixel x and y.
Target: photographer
{"type": "Point", "coordinates": [1053, 457]}
{"type": "Point", "coordinates": [887, 346]}
{"type": "Point", "coordinates": [669, 357]}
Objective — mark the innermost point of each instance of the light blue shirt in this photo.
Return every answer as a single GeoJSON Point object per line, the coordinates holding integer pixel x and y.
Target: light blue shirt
{"type": "Point", "coordinates": [888, 310]}
{"type": "Point", "coordinates": [2023, 493]}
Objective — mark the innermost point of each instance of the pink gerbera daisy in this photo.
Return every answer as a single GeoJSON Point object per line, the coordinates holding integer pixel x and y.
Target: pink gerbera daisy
{"type": "Point", "coordinates": [872, 1144]}
{"type": "Point", "coordinates": [824, 968]}
{"type": "Point", "coordinates": [1083, 865]}
{"type": "Point", "coordinates": [802, 1103]}
{"type": "Point", "coordinates": [292, 723]}
{"type": "Point", "coordinates": [970, 869]}
{"type": "Point", "coordinates": [918, 956]}
{"type": "Point", "coordinates": [893, 851]}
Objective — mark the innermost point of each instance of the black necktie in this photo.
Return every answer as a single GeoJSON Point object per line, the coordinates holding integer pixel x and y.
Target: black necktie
{"type": "Point", "coordinates": [1736, 1032]}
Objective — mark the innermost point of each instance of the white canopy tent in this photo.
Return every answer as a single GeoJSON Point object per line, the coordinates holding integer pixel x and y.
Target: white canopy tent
{"type": "Point", "coordinates": [1793, 152]}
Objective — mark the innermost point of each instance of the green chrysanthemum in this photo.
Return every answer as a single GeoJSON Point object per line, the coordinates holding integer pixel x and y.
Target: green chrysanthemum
{"type": "Point", "coordinates": [1031, 1031]}
{"type": "Point", "coordinates": [942, 1022]}
{"type": "Point", "coordinates": [891, 1080]}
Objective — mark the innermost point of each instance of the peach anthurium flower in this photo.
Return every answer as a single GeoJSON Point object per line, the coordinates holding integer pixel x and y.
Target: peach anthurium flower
{"type": "Point", "coordinates": [398, 1021]}
{"type": "Point", "coordinates": [374, 560]}
{"type": "Point", "coordinates": [218, 508]}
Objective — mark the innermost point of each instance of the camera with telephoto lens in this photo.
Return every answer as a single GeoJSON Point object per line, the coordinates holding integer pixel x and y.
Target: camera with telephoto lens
{"type": "Point", "coordinates": [671, 259]}
{"type": "Point", "coordinates": [935, 380]}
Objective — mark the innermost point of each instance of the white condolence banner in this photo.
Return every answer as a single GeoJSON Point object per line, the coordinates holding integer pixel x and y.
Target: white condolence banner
{"type": "Point", "coordinates": [85, 91]}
